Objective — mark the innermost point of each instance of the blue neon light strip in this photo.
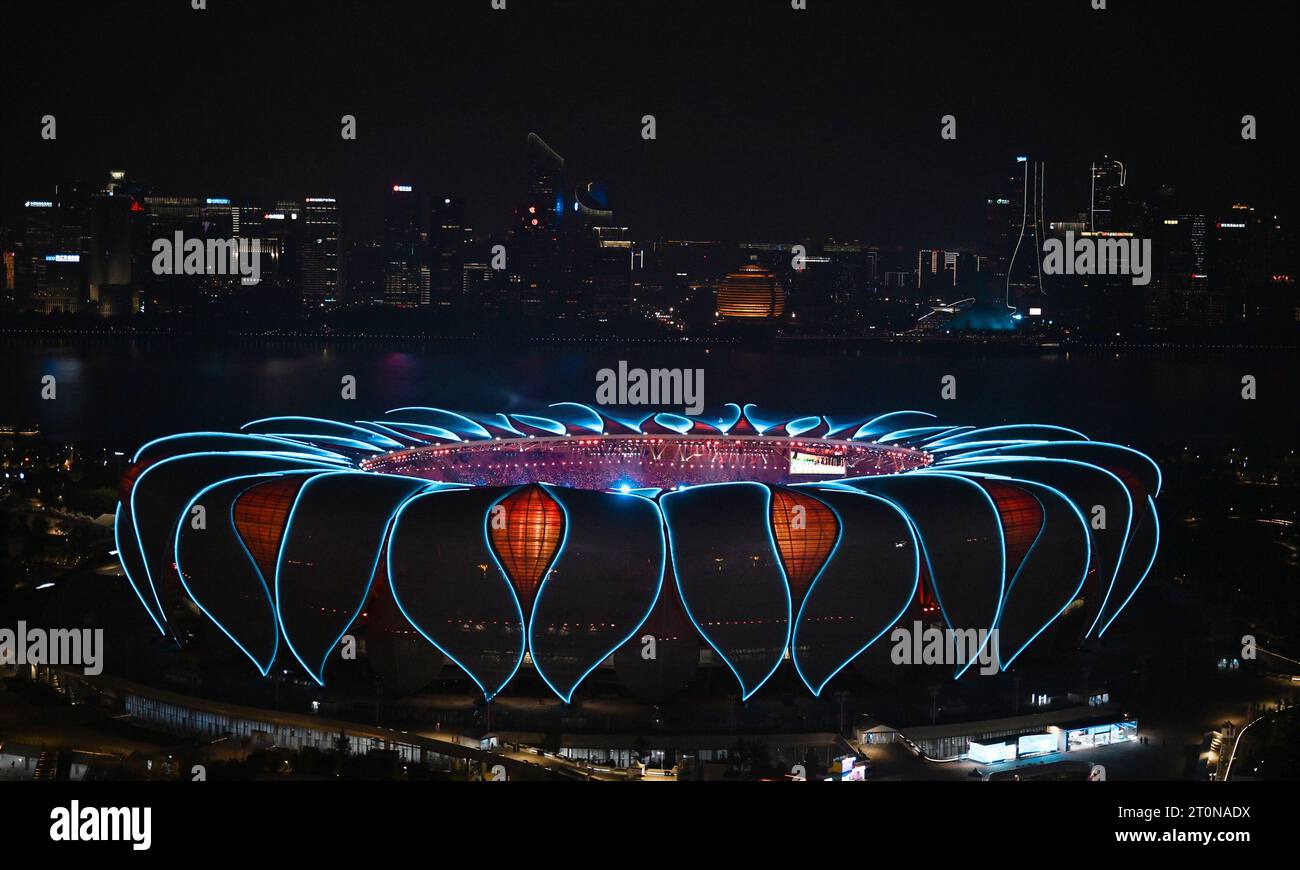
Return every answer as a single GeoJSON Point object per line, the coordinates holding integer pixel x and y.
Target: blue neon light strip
{"type": "Point", "coordinates": [1014, 426]}
{"type": "Point", "coordinates": [874, 427]}
{"type": "Point", "coordinates": [589, 419]}
{"type": "Point", "coordinates": [546, 424]}
{"type": "Point", "coordinates": [371, 437]}
{"type": "Point", "coordinates": [468, 427]}
{"type": "Point", "coordinates": [1155, 550]}
{"type": "Point", "coordinates": [307, 449]}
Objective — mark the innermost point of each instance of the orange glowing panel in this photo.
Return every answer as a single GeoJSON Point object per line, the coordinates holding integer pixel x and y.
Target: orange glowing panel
{"type": "Point", "coordinates": [525, 529]}
{"type": "Point", "coordinates": [1022, 519]}
{"type": "Point", "coordinates": [805, 530]}
{"type": "Point", "coordinates": [260, 516]}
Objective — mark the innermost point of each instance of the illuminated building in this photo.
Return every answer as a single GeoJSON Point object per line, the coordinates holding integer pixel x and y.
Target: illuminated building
{"type": "Point", "coordinates": [937, 271]}
{"type": "Point", "coordinates": [406, 269]}
{"type": "Point", "coordinates": [1016, 230]}
{"type": "Point", "coordinates": [448, 241]}
{"type": "Point", "coordinates": [751, 292]}
{"type": "Point", "coordinates": [539, 254]}
{"type": "Point", "coordinates": [1107, 182]}
{"type": "Point", "coordinates": [1024, 287]}
{"type": "Point", "coordinates": [557, 540]}
{"type": "Point", "coordinates": [320, 251]}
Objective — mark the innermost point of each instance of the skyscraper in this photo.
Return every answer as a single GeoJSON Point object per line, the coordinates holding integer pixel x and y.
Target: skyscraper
{"type": "Point", "coordinates": [1108, 180]}
{"type": "Point", "coordinates": [1025, 235]}
{"type": "Point", "coordinates": [34, 245]}
{"type": "Point", "coordinates": [545, 181]}
{"type": "Point", "coordinates": [115, 259]}
{"type": "Point", "coordinates": [406, 269]}
{"type": "Point", "coordinates": [320, 252]}
{"type": "Point", "coordinates": [540, 265]}
{"type": "Point", "coordinates": [448, 238]}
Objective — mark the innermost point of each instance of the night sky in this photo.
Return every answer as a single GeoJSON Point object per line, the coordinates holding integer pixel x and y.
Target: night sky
{"type": "Point", "coordinates": [772, 124]}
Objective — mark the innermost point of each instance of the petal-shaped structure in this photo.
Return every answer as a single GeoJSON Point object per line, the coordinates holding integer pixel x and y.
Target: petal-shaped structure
{"type": "Point", "coordinates": [437, 418]}
{"type": "Point", "coordinates": [865, 587]}
{"type": "Point", "coordinates": [1037, 592]}
{"type": "Point", "coordinates": [1142, 480]}
{"type": "Point", "coordinates": [232, 591]}
{"type": "Point", "coordinates": [729, 575]}
{"type": "Point", "coordinates": [1098, 494]}
{"type": "Point", "coordinates": [260, 514]}
{"type": "Point", "coordinates": [332, 544]}
{"type": "Point", "coordinates": [449, 585]}
{"type": "Point", "coordinates": [159, 496]}
{"type": "Point", "coordinates": [604, 583]}
{"type": "Point", "coordinates": [963, 546]}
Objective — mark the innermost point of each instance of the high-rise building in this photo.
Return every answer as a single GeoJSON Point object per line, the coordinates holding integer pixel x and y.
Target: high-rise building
{"type": "Point", "coordinates": [937, 271]}
{"type": "Point", "coordinates": [50, 260]}
{"type": "Point", "coordinates": [31, 248]}
{"type": "Point", "coordinates": [1181, 296]}
{"type": "Point", "coordinates": [602, 254]}
{"type": "Point", "coordinates": [1107, 204]}
{"type": "Point", "coordinates": [541, 268]}
{"type": "Point", "coordinates": [281, 238]}
{"type": "Point", "coordinates": [1023, 237]}
{"type": "Point", "coordinates": [117, 255]}
{"type": "Point", "coordinates": [545, 182]}
{"type": "Point", "coordinates": [406, 264]}
{"type": "Point", "coordinates": [320, 252]}
{"type": "Point", "coordinates": [448, 238]}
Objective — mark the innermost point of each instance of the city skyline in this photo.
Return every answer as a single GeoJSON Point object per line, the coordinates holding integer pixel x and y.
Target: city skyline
{"type": "Point", "coordinates": [569, 254]}
{"type": "Point", "coordinates": [811, 150]}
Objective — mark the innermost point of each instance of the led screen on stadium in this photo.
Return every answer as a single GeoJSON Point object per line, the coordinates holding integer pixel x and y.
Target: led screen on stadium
{"type": "Point", "coordinates": [813, 463]}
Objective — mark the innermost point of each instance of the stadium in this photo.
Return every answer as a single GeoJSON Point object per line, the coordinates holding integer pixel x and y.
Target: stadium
{"type": "Point", "coordinates": [497, 550]}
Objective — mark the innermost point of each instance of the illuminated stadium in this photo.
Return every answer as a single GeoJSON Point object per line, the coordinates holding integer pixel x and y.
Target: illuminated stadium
{"type": "Point", "coordinates": [650, 546]}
